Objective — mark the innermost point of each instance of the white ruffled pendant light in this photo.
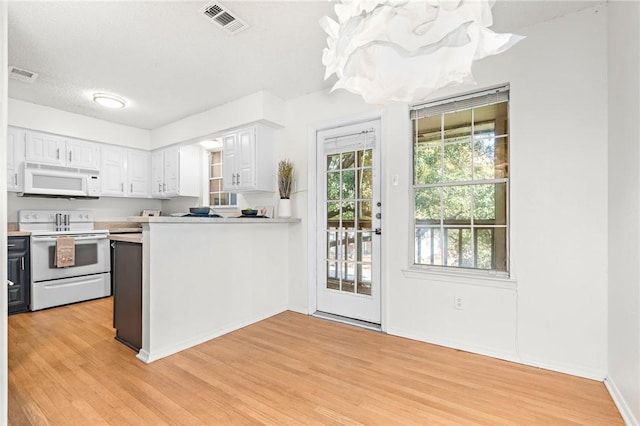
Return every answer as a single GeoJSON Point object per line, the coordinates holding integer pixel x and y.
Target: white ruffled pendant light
{"type": "Point", "coordinates": [402, 51]}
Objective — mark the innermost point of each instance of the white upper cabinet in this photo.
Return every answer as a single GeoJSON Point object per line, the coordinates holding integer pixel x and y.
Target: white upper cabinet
{"type": "Point", "coordinates": [82, 154]}
{"type": "Point", "coordinates": [138, 173]}
{"type": "Point", "coordinates": [249, 159]}
{"type": "Point", "coordinates": [45, 148]}
{"type": "Point", "coordinates": [124, 172]}
{"type": "Point", "coordinates": [15, 158]}
{"type": "Point", "coordinates": [112, 171]}
{"type": "Point", "coordinates": [175, 171]}
{"type": "Point", "coordinates": [157, 173]}
{"type": "Point", "coordinates": [52, 149]}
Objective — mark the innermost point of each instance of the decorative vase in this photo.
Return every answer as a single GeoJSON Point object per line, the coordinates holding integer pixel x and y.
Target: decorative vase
{"type": "Point", "coordinates": [284, 208]}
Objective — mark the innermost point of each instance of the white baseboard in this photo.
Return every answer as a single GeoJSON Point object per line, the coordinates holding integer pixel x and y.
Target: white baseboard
{"type": "Point", "coordinates": [151, 356]}
{"type": "Point", "coordinates": [621, 403]}
{"type": "Point", "coordinates": [587, 373]}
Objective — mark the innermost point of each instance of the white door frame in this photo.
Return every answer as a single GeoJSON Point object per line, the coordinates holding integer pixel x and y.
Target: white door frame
{"type": "Point", "coordinates": [312, 251]}
{"type": "Point", "coordinates": [4, 97]}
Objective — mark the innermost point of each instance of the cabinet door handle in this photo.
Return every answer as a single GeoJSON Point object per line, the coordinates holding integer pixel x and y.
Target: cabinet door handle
{"type": "Point", "coordinates": [10, 283]}
{"type": "Point", "coordinates": [11, 245]}
{"type": "Point", "coordinates": [15, 178]}
{"type": "Point", "coordinates": [22, 262]}
{"type": "Point", "coordinates": [164, 187]}
{"type": "Point", "coordinates": [122, 187]}
{"type": "Point", "coordinates": [159, 187]}
{"type": "Point", "coordinates": [70, 153]}
{"type": "Point", "coordinates": [58, 154]}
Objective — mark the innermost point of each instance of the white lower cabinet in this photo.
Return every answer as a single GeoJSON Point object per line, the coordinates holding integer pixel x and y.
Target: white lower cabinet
{"type": "Point", "coordinates": [249, 159]}
{"type": "Point", "coordinates": [176, 171]}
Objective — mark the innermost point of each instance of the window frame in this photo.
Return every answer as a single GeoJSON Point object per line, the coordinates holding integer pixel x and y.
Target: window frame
{"type": "Point", "coordinates": [463, 102]}
{"type": "Point", "coordinates": [209, 178]}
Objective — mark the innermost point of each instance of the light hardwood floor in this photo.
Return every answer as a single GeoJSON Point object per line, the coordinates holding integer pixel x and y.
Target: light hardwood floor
{"type": "Point", "coordinates": [65, 368]}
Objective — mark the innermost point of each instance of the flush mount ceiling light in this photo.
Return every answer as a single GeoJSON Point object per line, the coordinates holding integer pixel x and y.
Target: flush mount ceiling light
{"type": "Point", "coordinates": [211, 144]}
{"type": "Point", "coordinates": [402, 51]}
{"type": "Point", "coordinates": [109, 101]}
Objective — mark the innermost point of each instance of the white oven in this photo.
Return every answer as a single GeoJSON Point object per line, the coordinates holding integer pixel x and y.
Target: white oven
{"type": "Point", "coordinates": [88, 278]}
{"type": "Point", "coordinates": [91, 256]}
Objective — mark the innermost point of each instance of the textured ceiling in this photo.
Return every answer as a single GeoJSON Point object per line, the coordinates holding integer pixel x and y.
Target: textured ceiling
{"type": "Point", "coordinates": [169, 62]}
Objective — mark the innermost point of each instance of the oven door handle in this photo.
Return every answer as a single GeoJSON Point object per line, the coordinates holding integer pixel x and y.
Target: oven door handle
{"type": "Point", "coordinates": [87, 238]}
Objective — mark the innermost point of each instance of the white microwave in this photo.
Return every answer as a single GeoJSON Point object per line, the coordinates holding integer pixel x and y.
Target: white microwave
{"type": "Point", "coordinates": [58, 181]}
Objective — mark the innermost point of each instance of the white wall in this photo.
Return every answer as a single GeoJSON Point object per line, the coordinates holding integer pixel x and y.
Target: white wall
{"type": "Point", "coordinates": [260, 106]}
{"type": "Point", "coordinates": [624, 207]}
{"type": "Point", "coordinates": [234, 275]}
{"type": "Point", "coordinates": [557, 317]}
{"type": "Point", "coordinates": [316, 110]}
{"type": "Point", "coordinates": [46, 119]}
{"type": "Point", "coordinates": [105, 209]}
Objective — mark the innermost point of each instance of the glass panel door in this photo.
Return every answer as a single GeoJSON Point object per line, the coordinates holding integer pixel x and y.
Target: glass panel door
{"type": "Point", "coordinates": [348, 228]}
{"type": "Point", "coordinates": [349, 270]}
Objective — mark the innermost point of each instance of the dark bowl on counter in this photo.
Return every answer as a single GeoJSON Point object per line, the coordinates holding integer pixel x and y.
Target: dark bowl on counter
{"type": "Point", "coordinates": [199, 210]}
{"type": "Point", "coordinates": [249, 212]}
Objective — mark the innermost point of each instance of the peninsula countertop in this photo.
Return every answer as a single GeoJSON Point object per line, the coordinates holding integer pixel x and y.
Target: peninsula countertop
{"type": "Point", "coordinates": [127, 238]}
{"type": "Point", "coordinates": [205, 219]}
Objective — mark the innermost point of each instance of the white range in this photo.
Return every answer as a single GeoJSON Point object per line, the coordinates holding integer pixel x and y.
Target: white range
{"type": "Point", "coordinates": [88, 278]}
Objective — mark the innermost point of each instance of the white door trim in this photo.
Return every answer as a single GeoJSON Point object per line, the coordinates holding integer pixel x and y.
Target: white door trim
{"type": "Point", "coordinates": [4, 369]}
{"type": "Point", "coordinates": [314, 128]}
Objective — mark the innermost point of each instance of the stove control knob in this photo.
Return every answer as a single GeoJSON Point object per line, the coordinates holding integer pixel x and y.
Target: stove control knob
{"type": "Point", "coordinates": [27, 216]}
{"type": "Point", "coordinates": [35, 216]}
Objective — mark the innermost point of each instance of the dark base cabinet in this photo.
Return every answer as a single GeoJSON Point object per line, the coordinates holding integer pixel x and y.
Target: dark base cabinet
{"type": "Point", "coordinates": [126, 275]}
{"type": "Point", "coordinates": [18, 274]}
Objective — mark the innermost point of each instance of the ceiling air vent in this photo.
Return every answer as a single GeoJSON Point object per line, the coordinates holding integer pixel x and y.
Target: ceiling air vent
{"type": "Point", "coordinates": [22, 75]}
{"type": "Point", "coordinates": [221, 15]}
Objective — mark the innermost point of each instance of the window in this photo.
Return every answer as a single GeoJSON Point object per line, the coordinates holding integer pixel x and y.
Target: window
{"type": "Point", "coordinates": [218, 197]}
{"type": "Point", "coordinates": [461, 182]}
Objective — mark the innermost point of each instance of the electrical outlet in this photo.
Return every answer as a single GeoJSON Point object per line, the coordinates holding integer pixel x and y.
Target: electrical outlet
{"type": "Point", "coordinates": [458, 302]}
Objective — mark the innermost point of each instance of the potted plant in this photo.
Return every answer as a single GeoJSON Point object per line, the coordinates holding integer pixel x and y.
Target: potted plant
{"type": "Point", "coordinates": [285, 185]}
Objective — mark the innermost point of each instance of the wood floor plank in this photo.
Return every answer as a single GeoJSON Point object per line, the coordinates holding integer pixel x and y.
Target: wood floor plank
{"type": "Point", "coordinates": [65, 368]}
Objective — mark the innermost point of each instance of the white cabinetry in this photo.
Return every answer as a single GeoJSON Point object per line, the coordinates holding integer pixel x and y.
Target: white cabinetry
{"type": "Point", "coordinates": [15, 159]}
{"type": "Point", "coordinates": [52, 149]}
{"type": "Point", "coordinates": [175, 171]}
{"type": "Point", "coordinates": [124, 172]}
{"type": "Point", "coordinates": [82, 154]}
{"type": "Point", "coordinates": [45, 148]}
{"type": "Point", "coordinates": [138, 173]}
{"type": "Point", "coordinates": [249, 159]}
{"type": "Point", "coordinates": [112, 171]}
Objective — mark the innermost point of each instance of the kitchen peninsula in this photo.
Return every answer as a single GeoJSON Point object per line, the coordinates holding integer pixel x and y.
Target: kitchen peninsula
{"type": "Point", "coordinates": [204, 277]}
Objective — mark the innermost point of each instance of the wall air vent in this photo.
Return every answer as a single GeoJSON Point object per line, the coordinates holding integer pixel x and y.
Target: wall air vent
{"type": "Point", "coordinates": [22, 75]}
{"type": "Point", "coordinates": [221, 15]}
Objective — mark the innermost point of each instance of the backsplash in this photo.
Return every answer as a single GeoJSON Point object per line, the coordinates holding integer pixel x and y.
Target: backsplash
{"type": "Point", "coordinates": [104, 209]}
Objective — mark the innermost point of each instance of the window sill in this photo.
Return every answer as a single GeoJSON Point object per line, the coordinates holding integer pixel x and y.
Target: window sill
{"type": "Point", "coordinates": [461, 277]}
{"type": "Point", "coordinates": [224, 208]}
